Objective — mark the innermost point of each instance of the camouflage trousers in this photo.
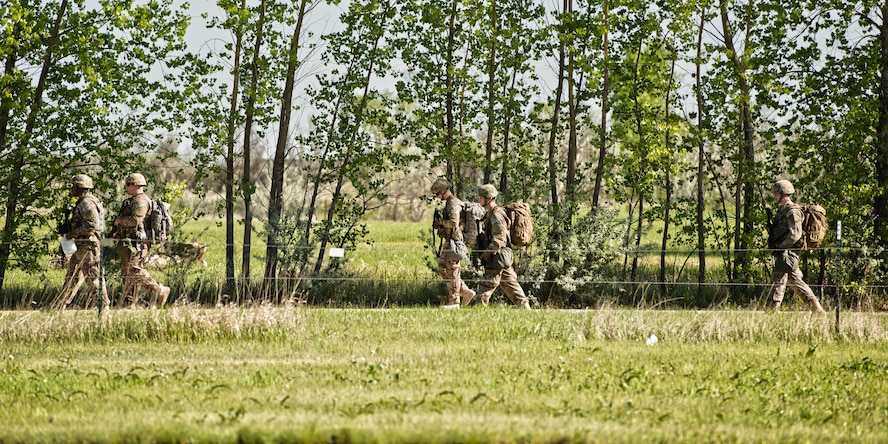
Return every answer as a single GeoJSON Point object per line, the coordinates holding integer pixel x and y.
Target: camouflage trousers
{"type": "Point", "coordinates": [83, 266]}
{"type": "Point", "coordinates": [450, 272]}
{"type": "Point", "coordinates": [780, 280]}
{"type": "Point", "coordinates": [133, 272]}
{"type": "Point", "coordinates": [508, 280]}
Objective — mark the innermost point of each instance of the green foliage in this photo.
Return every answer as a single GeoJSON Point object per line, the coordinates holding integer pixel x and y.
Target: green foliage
{"type": "Point", "coordinates": [89, 106]}
{"type": "Point", "coordinates": [585, 260]}
{"type": "Point", "coordinates": [793, 93]}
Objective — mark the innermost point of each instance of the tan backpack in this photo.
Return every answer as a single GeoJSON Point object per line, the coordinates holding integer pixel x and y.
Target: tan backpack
{"type": "Point", "coordinates": [814, 226]}
{"type": "Point", "coordinates": [520, 223]}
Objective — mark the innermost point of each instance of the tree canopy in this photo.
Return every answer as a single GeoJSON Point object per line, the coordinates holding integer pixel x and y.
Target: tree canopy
{"type": "Point", "coordinates": [677, 113]}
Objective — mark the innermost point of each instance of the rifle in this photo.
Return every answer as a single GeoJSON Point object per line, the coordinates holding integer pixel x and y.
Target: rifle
{"type": "Point", "coordinates": [437, 222]}
{"type": "Point", "coordinates": [65, 225]}
{"type": "Point", "coordinates": [769, 223]}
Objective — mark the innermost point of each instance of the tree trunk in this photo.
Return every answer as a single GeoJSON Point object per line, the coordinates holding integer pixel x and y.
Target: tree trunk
{"type": "Point", "coordinates": [5, 109]}
{"type": "Point", "coordinates": [745, 188]}
{"type": "Point", "coordinates": [639, 128]}
{"type": "Point", "coordinates": [701, 159]}
{"type": "Point", "coordinates": [346, 162]}
{"type": "Point", "coordinates": [555, 235]}
{"type": "Point", "coordinates": [322, 163]}
{"type": "Point", "coordinates": [491, 98]}
{"type": "Point", "coordinates": [571, 179]}
{"type": "Point", "coordinates": [247, 182]}
{"type": "Point", "coordinates": [667, 206]}
{"type": "Point", "coordinates": [605, 90]}
{"type": "Point", "coordinates": [276, 198]}
{"type": "Point", "coordinates": [507, 128]}
{"type": "Point", "coordinates": [229, 162]}
{"type": "Point", "coordinates": [553, 133]}
{"type": "Point", "coordinates": [449, 123]}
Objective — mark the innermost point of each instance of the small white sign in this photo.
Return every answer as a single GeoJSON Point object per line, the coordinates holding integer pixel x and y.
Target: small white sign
{"type": "Point", "coordinates": [337, 252]}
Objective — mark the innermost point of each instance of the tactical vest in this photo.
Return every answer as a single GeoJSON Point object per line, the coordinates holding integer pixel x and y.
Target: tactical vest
{"type": "Point", "coordinates": [496, 231]}
{"type": "Point", "coordinates": [451, 206]}
{"type": "Point", "coordinates": [127, 209]}
{"type": "Point", "coordinates": [86, 219]}
{"type": "Point", "coordinates": [781, 222]}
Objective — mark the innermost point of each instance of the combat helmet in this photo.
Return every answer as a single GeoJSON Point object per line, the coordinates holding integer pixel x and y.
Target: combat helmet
{"type": "Point", "coordinates": [488, 191]}
{"type": "Point", "coordinates": [440, 186]}
{"type": "Point", "coordinates": [783, 187]}
{"type": "Point", "coordinates": [82, 181]}
{"type": "Point", "coordinates": [136, 179]}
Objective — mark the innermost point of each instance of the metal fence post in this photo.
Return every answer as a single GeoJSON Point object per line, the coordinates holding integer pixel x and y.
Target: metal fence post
{"type": "Point", "coordinates": [838, 271]}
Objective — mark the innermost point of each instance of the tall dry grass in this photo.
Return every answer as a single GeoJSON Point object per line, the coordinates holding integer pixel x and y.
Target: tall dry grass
{"type": "Point", "coordinates": [186, 322]}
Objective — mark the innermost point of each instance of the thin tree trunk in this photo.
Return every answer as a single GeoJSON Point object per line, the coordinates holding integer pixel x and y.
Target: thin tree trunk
{"type": "Point", "coordinates": [346, 162]}
{"type": "Point", "coordinates": [701, 159]}
{"type": "Point", "coordinates": [745, 188]}
{"type": "Point", "coordinates": [605, 90]}
{"type": "Point", "coordinates": [5, 109]}
{"type": "Point", "coordinates": [322, 163]}
{"type": "Point", "coordinates": [639, 128]}
{"type": "Point", "coordinates": [14, 182]}
{"type": "Point", "coordinates": [276, 198]}
{"type": "Point", "coordinates": [668, 204]}
{"type": "Point", "coordinates": [247, 183]}
{"type": "Point", "coordinates": [507, 128]}
{"type": "Point", "coordinates": [556, 234]}
{"type": "Point", "coordinates": [449, 122]}
{"type": "Point", "coordinates": [491, 98]}
{"type": "Point", "coordinates": [229, 161]}
{"type": "Point", "coordinates": [556, 114]}
{"type": "Point", "coordinates": [571, 179]}
{"type": "Point", "coordinates": [638, 230]}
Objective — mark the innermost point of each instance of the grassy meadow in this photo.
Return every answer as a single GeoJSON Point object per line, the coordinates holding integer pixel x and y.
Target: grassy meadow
{"type": "Point", "coordinates": [410, 372]}
{"type": "Point", "coordinates": [283, 374]}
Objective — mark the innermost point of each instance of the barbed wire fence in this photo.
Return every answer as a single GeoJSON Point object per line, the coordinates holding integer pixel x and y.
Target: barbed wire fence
{"type": "Point", "coordinates": [398, 275]}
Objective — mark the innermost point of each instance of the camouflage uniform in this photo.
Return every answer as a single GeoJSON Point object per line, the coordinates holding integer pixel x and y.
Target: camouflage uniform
{"type": "Point", "coordinates": [448, 228]}
{"type": "Point", "coordinates": [497, 229]}
{"type": "Point", "coordinates": [786, 234]}
{"type": "Point", "coordinates": [86, 229]}
{"type": "Point", "coordinates": [131, 247]}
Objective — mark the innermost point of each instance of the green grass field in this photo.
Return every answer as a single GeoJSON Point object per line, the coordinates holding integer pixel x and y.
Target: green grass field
{"type": "Point", "coordinates": [281, 374]}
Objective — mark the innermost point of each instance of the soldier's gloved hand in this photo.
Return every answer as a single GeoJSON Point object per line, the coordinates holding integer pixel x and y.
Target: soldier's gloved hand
{"type": "Point", "coordinates": [486, 256]}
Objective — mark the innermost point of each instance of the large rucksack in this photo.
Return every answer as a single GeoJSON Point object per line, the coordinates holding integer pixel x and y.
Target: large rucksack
{"type": "Point", "coordinates": [814, 226]}
{"type": "Point", "coordinates": [158, 222]}
{"type": "Point", "coordinates": [470, 222]}
{"type": "Point", "coordinates": [520, 223]}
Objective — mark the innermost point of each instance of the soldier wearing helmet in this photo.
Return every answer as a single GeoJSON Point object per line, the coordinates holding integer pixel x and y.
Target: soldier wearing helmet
{"type": "Point", "coordinates": [497, 256]}
{"type": "Point", "coordinates": [131, 246]}
{"type": "Point", "coordinates": [86, 226]}
{"type": "Point", "coordinates": [453, 249]}
{"type": "Point", "coordinates": [785, 239]}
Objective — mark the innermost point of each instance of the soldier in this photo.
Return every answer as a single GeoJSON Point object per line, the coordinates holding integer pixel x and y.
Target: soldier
{"type": "Point", "coordinates": [131, 245]}
{"type": "Point", "coordinates": [784, 240]}
{"type": "Point", "coordinates": [448, 227]}
{"type": "Point", "coordinates": [86, 225]}
{"type": "Point", "coordinates": [497, 255]}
